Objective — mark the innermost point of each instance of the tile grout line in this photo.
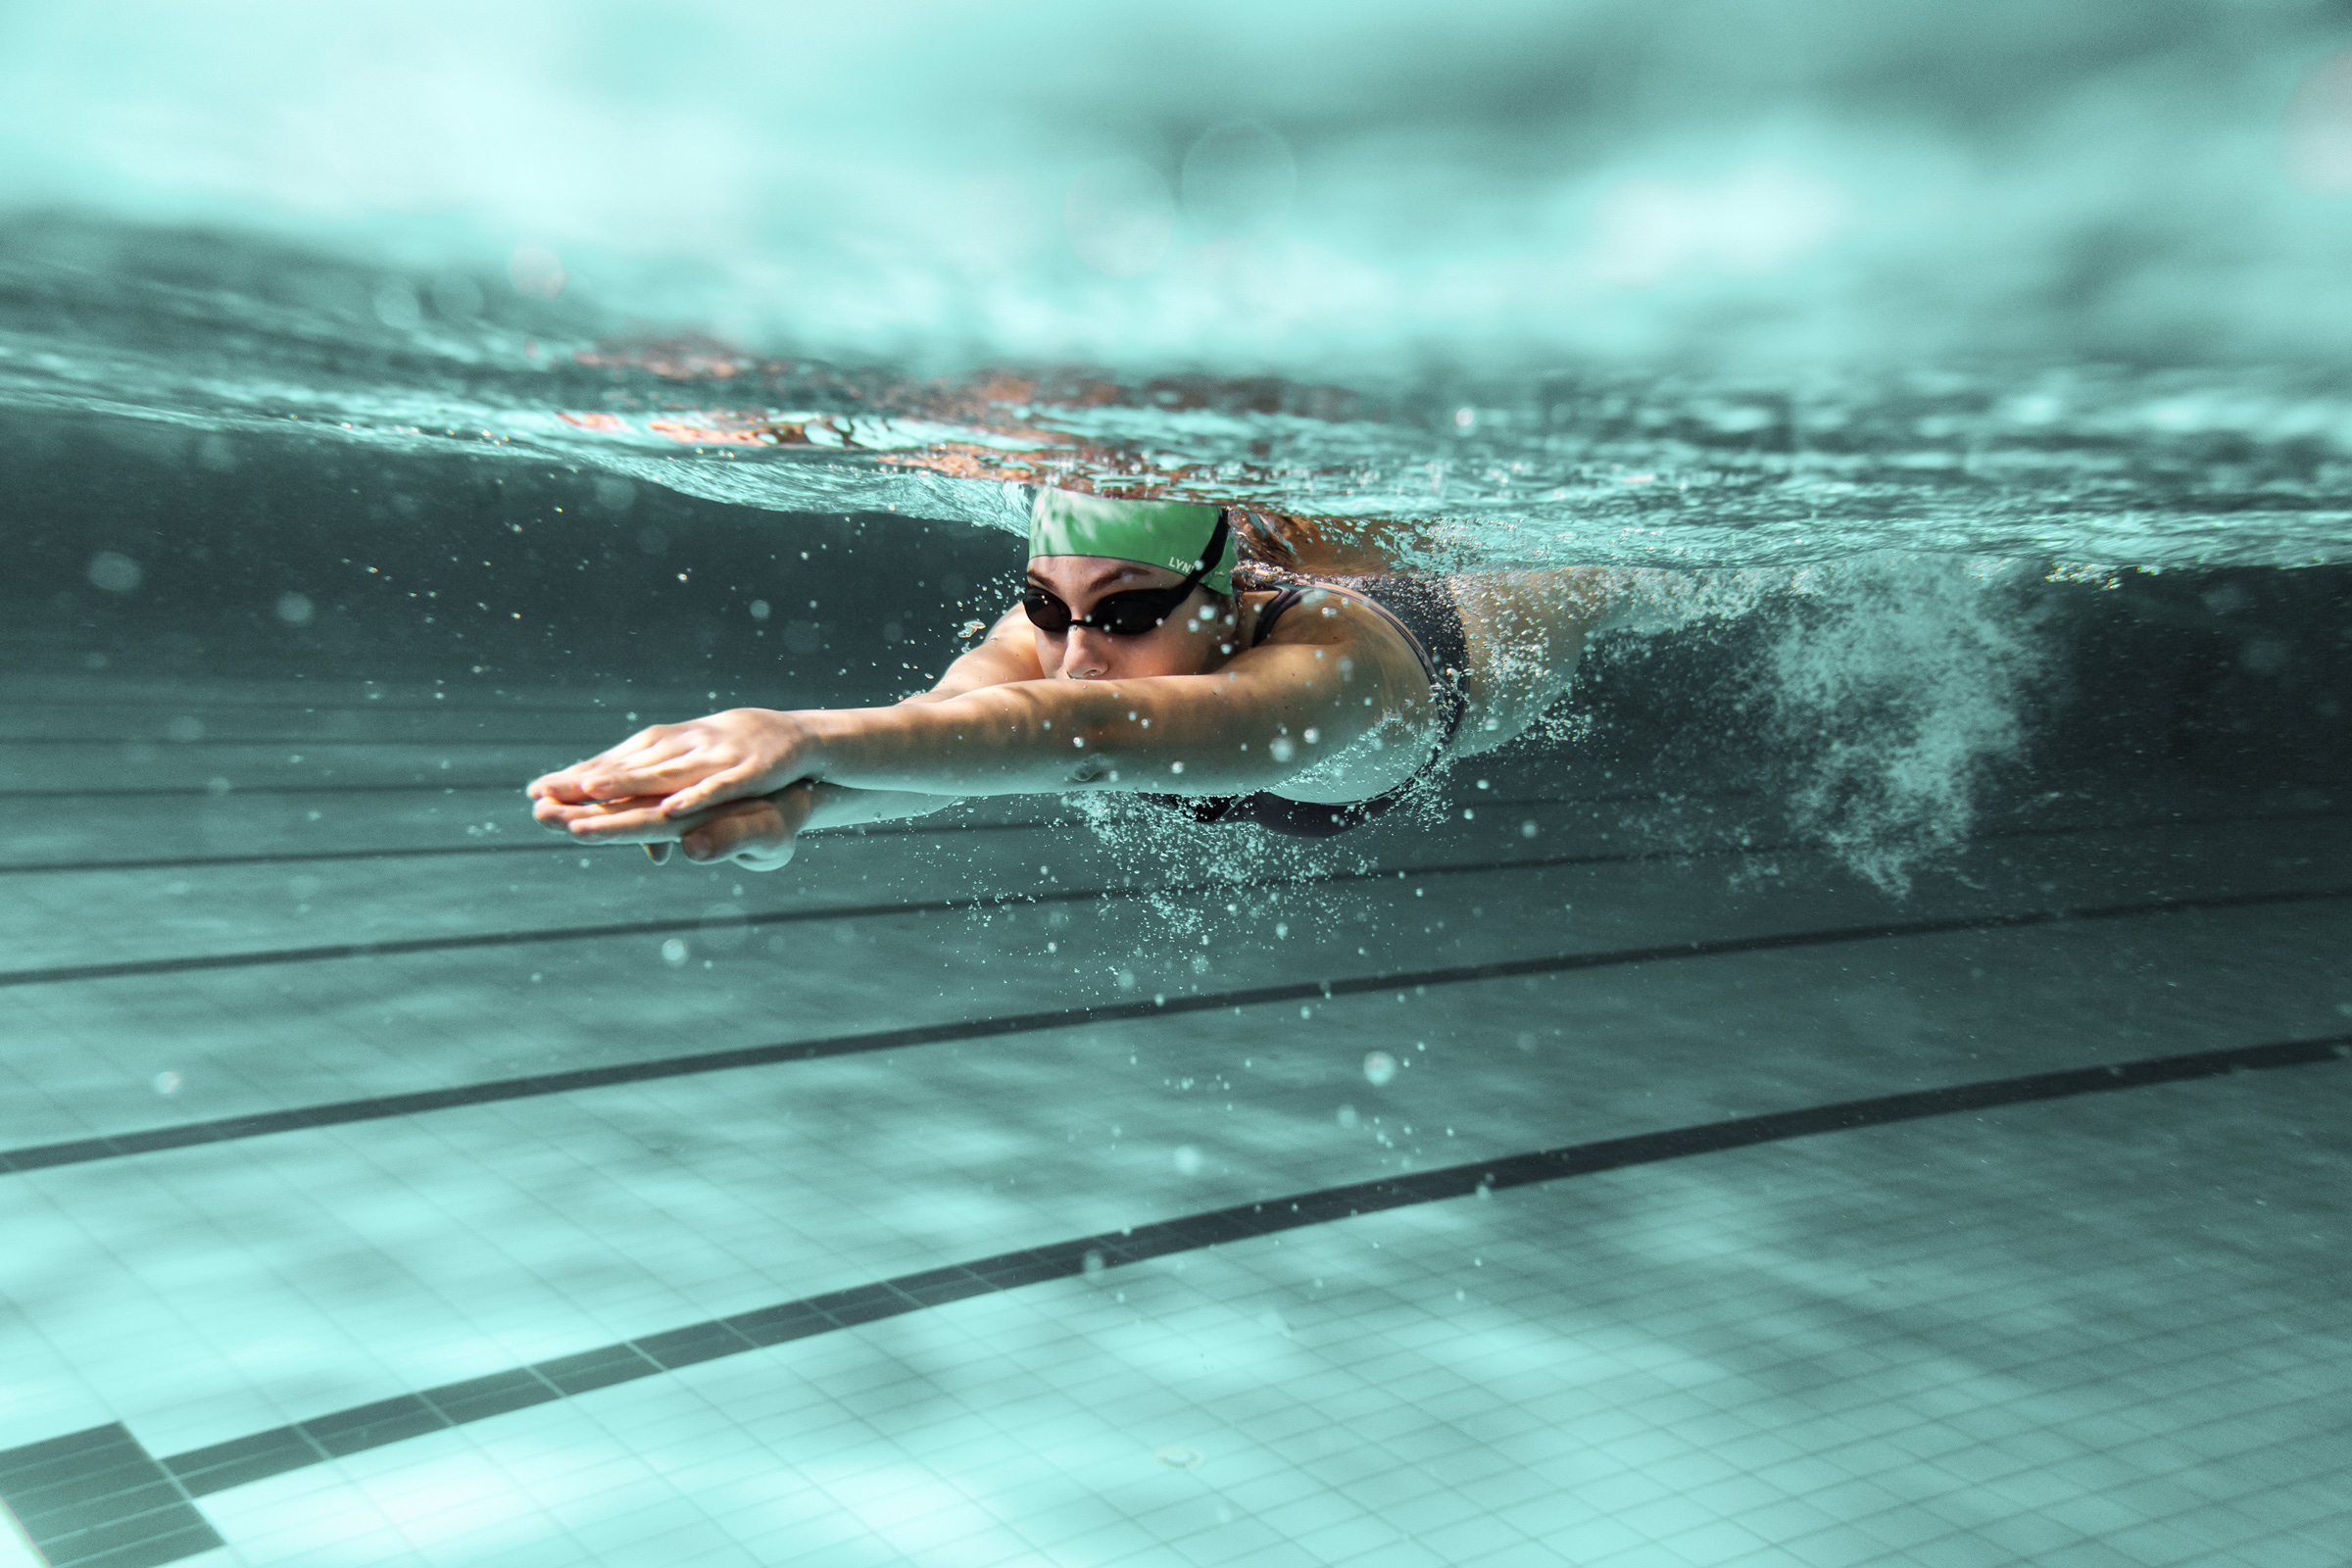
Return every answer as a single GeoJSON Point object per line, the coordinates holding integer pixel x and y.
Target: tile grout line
{"type": "Point", "coordinates": [397, 946]}
{"type": "Point", "coordinates": [851, 833]}
{"type": "Point", "coordinates": [239, 1461]}
{"type": "Point", "coordinates": [547, 846]}
{"type": "Point", "coordinates": [185, 1135]}
{"type": "Point", "coordinates": [98, 1498]}
{"type": "Point", "coordinates": [884, 830]}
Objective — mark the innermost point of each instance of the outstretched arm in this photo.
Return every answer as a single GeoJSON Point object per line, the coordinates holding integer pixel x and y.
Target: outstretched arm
{"type": "Point", "coordinates": [1273, 713]}
{"type": "Point", "coordinates": [759, 833]}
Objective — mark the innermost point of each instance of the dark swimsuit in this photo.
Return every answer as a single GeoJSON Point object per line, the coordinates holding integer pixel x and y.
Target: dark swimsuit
{"type": "Point", "coordinates": [1423, 609]}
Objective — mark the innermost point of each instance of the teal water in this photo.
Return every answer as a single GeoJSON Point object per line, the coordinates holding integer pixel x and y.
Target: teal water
{"type": "Point", "coordinates": [1734, 285]}
{"type": "Point", "coordinates": [1862, 1082]}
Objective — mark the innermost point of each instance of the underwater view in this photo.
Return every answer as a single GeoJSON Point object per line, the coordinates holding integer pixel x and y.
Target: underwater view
{"type": "Point", "coordinates": [1692, 907]}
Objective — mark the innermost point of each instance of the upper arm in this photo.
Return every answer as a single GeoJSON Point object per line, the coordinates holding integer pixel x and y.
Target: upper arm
{"type": "Point", "coordinates": [1323, 687]}
{"type": "Point", "coordinates": [1344, 684]}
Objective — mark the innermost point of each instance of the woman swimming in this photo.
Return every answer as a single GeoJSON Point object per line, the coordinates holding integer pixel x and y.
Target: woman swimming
{"type": "Point", "coordinates": [1150, 654]}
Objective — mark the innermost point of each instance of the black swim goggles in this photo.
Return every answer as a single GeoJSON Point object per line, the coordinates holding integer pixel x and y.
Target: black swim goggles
{"type": "Point", "coordinates": [1131, 613]}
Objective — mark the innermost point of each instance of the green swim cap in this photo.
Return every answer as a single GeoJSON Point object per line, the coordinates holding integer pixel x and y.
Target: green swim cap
{"type": "Point", "coordinates": [1153, 533]}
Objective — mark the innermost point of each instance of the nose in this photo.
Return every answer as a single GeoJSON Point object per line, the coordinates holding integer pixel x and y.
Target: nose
{"type": "Point", "coordinates": [1086, 655]}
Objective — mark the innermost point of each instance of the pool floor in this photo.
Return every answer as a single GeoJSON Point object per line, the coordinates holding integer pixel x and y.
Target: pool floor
{"type": "Point", "coordinates": [1554, 1179]}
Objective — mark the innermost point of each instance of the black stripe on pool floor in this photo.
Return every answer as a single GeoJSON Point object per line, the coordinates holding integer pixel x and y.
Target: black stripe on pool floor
{"type": "Point", "coordinates": [186, 1135]}
{"type": "Point", "coordinates": [98, 1499]}
{"type": "Point", "coordinates": [60, 975]}
{"type": "Point", "coordinates": [546, 845]}
{"type": "Point", "coordinates": [121, 968]}
{"type": "Point", "coordinates": [397, 946]}
{"type": "Point", "coordinates": [503, 786]}
{"type": "Point", "coordinates": [107, 1467]}
{"type": "Point", "coordinates": [614, 710]}
{"type": "Point", "coordinates": [171, 743]}
{"type": "Point", "coordinates": [917, 828]}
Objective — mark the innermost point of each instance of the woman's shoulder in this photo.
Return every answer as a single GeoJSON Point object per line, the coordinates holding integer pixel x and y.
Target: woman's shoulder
{"type": "Point", "coordinates": [1331, 614]}
{"type": "Point", "coordinates": [1285, 614]}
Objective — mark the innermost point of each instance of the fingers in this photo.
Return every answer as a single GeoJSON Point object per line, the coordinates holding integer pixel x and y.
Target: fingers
{"type": "Point", "coordinates": [568, 783]}
{"type": "Point", "coordinates": [715, 790]}
{"type": "Point", "coordinates": [751, 833]}
{"type": "Point", "coordinates": [637, 821]}
{"type": "Point", "coordinates": [660, 784]}
{"type": "Point", "coordinates": [737, 825]}
{"type": "Point", "coordinates": [657, 772]}
{"type": "Point", "coordinates": [563, 785]}
{"type": "Point", "coordinates": [591, 779]}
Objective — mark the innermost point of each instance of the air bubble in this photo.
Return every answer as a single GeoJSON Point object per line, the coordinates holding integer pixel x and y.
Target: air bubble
{"type": "Point", "coordinates": [536, 272]}
{"type": "Point", "coordinates": [1379, 1068]}
{"type": "Point", "coordinates": [115, 572]}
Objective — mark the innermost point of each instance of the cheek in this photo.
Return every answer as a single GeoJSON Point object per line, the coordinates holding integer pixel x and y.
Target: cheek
{"type": "Point", "coordinates": [1166, 652]}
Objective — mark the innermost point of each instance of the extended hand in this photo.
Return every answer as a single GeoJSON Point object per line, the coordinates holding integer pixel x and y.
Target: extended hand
{"type": "Point", "coordinates": [669, 771]}
{"type": "Point", "coordinates": [758, 834]}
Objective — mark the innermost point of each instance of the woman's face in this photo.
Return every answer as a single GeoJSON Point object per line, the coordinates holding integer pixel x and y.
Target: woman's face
{"type": "Point", "coordinates": [1182, 645]}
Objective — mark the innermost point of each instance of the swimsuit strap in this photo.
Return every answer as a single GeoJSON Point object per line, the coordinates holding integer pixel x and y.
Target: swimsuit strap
{"type": "Point", "coordinates": [1281, 604]}
{"type": "Point", "coordinates": [1424, 611]}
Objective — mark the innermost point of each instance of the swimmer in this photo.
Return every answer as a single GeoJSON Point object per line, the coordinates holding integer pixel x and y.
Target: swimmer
{"type": "Point", "coordinates": [1229, 665]}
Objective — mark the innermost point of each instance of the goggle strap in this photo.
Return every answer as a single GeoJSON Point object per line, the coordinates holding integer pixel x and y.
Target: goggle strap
{"type": "Point", "coordinates": [1177, 595]}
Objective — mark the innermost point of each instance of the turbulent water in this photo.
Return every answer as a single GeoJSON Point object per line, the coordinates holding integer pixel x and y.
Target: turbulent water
{"type": "Point", "coordinates": [1716, 285]}
{"type": "Point", "coordinates": [1875, 309]}
{"type": "Point", "coordinates": [2088, 465]}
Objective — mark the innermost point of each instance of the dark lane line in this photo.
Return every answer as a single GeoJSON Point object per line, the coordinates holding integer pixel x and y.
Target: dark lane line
{"type": "Point", "coordinates": [876, 830]}
{"type": "Point", "coordinates": [545, 846]}
{"type": "Point", "coordinates": [869, 830]}
{"type": "Point", "coordinates": [167, 743]}
{"type": "Point", "coordinates": [326, 952]}
{"type": "Point", "coordinates": [942, 829]}
{"type": "Point", "coordinates": [202, 704]}
{"type": "Point", "coordinates": [84, 1492]}
{"type": "Point", "coordinates": [88, 1150]}
{"type": "Point", "coordinates": [129, 792]}
{"type": "Point", "coordinates": [127, 967]}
